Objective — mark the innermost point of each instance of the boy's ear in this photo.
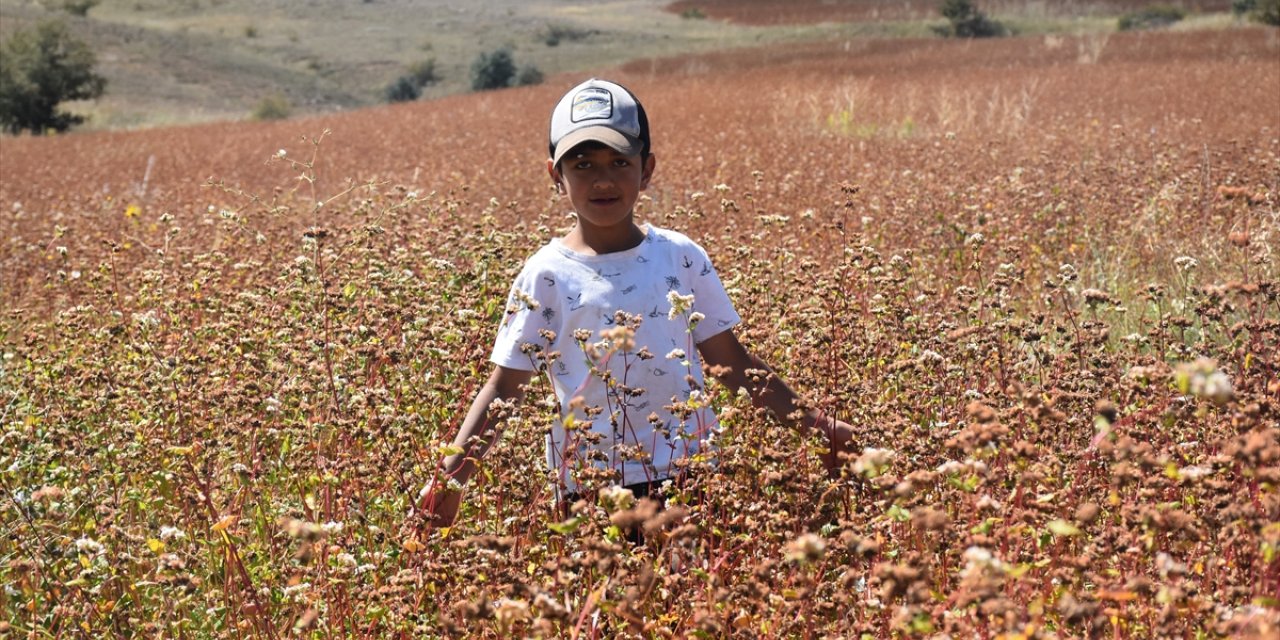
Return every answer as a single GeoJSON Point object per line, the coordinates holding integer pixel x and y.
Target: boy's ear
{"type": "Point", "coordinates": [555, 175]}
{"type": "Point", "coordinates": [650, 163]}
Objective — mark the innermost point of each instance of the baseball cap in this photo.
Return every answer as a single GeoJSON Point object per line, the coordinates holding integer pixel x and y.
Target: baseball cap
{"type": "Point", "coordinates": [600, 111]}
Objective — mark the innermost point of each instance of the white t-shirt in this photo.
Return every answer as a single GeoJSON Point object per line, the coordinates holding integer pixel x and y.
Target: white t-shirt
{"type": "Point", "coordinates": [636, 432]}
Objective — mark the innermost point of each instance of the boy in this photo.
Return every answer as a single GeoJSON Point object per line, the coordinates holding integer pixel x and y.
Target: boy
{"type": "Point", "coordinates": [616, 315]}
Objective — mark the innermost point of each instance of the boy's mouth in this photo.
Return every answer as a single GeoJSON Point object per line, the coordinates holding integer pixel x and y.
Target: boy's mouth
{"type": "Point", "coordinates": [604, 201]}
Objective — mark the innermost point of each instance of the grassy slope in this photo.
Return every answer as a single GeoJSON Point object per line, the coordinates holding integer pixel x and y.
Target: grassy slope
{"type": "Point", "coordinates": [180, 61]}
{"type": "Point", "coordinates": [193, 60]}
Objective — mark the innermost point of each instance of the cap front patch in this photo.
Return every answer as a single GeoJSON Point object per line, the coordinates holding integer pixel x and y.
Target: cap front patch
{"type": "Point", "coordinates": [592, 104]}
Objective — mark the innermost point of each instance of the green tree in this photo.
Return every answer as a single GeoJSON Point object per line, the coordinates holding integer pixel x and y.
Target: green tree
{"type": "Point", "coordinates": [967, 21]}
{"type": "Point", "coordinates": [1242, 7]}
{"type": "Point", "coordinates": [39, 69]}
{"type": "Point", "coordinates": [493, 70]}
{"type": "Point", "coordinates": [1264, 11]}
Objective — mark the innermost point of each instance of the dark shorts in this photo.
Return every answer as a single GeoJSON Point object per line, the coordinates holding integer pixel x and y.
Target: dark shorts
{"type": "Point", "coordinates": [652, 489]}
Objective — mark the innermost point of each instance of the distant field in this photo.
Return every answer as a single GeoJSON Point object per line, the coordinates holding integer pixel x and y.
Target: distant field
{"type": "Point", "coordinates": [768, 12]}
{"type": "Point", "coordinates": [1037, 274]}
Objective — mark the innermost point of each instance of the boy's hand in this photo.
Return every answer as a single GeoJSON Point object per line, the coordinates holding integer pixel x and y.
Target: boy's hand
{"type": "Point", "coordinates": [839, 441]}
{"type": "Point", "coordinates": [438, 503]}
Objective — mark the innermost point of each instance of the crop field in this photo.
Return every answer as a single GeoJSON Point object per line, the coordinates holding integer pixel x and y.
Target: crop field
{"type": "Point", "coordinates": [761, 12]}
{"type": "Point", "coordinates": [1038, 275]}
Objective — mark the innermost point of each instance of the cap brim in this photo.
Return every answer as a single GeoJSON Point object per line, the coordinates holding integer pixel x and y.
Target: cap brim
{"type": "Point", "coordinates": [615, 139]}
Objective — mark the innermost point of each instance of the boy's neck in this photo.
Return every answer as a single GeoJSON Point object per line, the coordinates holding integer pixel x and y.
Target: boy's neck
{"type": "Point", "coordinates": [590, 240]}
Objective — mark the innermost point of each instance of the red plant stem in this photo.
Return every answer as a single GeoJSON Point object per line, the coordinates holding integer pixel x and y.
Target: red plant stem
{"type": "Point", "coordinates": [262, 618]}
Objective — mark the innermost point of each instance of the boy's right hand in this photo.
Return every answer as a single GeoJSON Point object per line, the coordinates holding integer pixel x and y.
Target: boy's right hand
{"type": "Point", "coordinates": [438, 504]}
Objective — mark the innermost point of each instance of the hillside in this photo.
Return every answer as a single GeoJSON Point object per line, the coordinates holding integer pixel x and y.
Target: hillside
{"type": "Point", "coordinates": [177, 62]}
{"type": "Point", "coordinates": [200, 60]}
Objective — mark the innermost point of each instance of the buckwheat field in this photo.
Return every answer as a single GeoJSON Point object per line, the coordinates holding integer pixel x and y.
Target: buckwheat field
{"type": "Point", "coordinates": [1038, 275]}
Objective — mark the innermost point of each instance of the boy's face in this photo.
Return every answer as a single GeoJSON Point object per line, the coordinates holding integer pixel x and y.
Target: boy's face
{"type": "Point", "coordinates": [602, 183]}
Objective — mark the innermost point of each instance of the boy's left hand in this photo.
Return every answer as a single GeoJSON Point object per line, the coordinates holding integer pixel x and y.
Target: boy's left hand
{"type": "Point", "coordinates": [839, 436]}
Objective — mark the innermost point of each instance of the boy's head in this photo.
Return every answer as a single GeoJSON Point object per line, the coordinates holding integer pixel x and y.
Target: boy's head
{"type": "Point", "coordinates": [599, 111]}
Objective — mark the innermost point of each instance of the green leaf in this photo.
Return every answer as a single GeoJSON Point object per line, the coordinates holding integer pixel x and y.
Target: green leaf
{"type": "Point", "coordinates": [1018, 570]}
{"type": "Point", "coordinates": [898, 513]}
{"type": "Point", "coordinates": [566, 527]}
{"type": "Point", "coordinates": [986, 526]}
{"type": "Point", "coordinates": [449, 450]}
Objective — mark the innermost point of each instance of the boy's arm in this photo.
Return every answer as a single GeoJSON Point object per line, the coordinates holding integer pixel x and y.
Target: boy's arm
{"type": "Point", "coordinates": [730, 362]}
{"type": "Point", "coordinates": [440, 501]}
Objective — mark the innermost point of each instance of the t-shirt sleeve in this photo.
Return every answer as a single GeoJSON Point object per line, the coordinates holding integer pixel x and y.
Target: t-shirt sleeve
{"type": "Point", "coordinates": [524, 315]}
{"type": "Point", "coordinates": [711, 300]}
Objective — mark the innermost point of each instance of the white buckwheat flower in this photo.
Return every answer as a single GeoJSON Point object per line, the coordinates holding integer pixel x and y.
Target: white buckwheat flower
{"type": "Point", "coordinates": [679, 304]}
{"type": "Point", "coordinates": [89, 545]}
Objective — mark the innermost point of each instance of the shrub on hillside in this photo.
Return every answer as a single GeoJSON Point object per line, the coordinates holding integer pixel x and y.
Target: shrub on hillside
{"type": "Point", "coordinates": [1264, 11]}
{"type": "Point", "coordinates": [965, 20]}
{"type": "Point", "coordinates": [1268, 12]}
{"type": "Point", "coordinates": [557, 33]}
{"type": "Point", "coordinates": [40, 69]}
{"type": "Point", "coordinates": [1153, 17]}
{"type": "Point", "coordinates": [79, 7]}
{"type": "Point", "coordinates": [423, 73]}
{"type": "Point", "coordinates": [272, 107]}
{"type": "Point", "coordinates": [409, 86]}
{"type": "Point", "coordinates": [528, 75]}
{"type": "Point", "coordinates": [404, 89]}
{"type": "Point", "coordinates": [493, 70]}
